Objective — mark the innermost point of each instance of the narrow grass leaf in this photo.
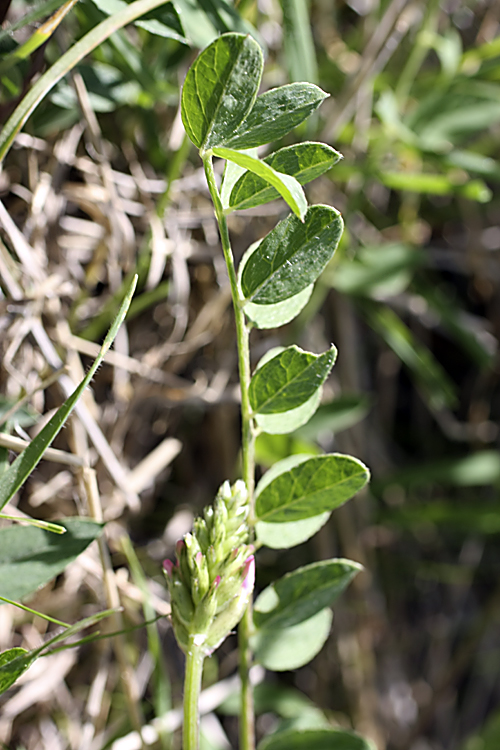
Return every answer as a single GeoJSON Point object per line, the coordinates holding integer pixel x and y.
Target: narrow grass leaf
{"type": "Point", "coordinates": [12, 479]}
{"type": "Point", "coordinates": [316, 739]}
{"type": "Point", "coordinates": [281, 649]}
{"type": "Point", "coordinates": [291, 256]}
{"type": "Point", "coordinates": [275, 113]}
{"type": "Point", "coordinates": [289, 379]}
{"type": "Point", "coordinates": [220, 89]}
{"type": "Point", "coordinates": [304, 161]}
{"type": "Point", "coordinates": [287, 186]}
{"type": "Point", "coordinates": [39, 37]}
{"type": "Point", "coordinates": [304, 592]}
{"type": "Point", "coordinates": [315, 486]}
{"type": "Point", "coordinates": [67, 62]}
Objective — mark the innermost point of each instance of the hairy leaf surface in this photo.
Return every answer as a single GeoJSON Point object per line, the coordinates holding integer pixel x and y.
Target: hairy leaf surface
{"type": "Point", "coordinates": [289, 379]}
{"type": "Point", "coordinates": [220, 89]}
{"type": "Point", "coordinates": [304, 161]}
{"type": "Point", "coordinates": [304, 592]}
{"type": "Point", "coordinates": [315, 486]}
{"type": "Point", "coordinates": [275, 113]}
{"type": "Point", "coordinates": [291, 256]}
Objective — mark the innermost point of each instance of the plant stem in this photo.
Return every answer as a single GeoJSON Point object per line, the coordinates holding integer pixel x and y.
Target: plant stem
{"type": "Point", "coordinates": [247, 722]}
{"type": "Point", "coordinates": [192, 688]}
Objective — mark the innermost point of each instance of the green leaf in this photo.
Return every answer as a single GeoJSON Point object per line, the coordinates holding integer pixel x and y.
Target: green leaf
{"type": "Point", "coordinates": [67, 62]}
{"type": "Point", "coordinates": [299, 595]}
{"type": "Point", "coordinates": [30, 557]}
{"type": "Point", "coordinates": [436, 386]}
{"type": "Point", "coordinates": [289, 379]}
{"type": "Point", "coordinates": [273, 315]}
{"type": "Point", "coordinates": [287, 186]}
{"type": "Point", "coordinates": [12, 479]}
{"type": "Point", "coordinates": [275, 113]}
{"type": "Point", "coordinates": [287, 535]}
{"type": "Point", "coordinates": [335, 416]}
{"type": "Point", "coordinates": [316, 739]}
{"type": "Point", "coordinates": [13, 663]}
{"type": "Point", "coordinates": [378, 271]}
{"type": "Point", "coordinates": [291, 256]}
{"type": "Point", "coordinates": [282, 649]}
{"type": "Point", "coordinates": [291, 533]}
{"type": "Point", "coordinates": [220, 89]}
{"type": "Point", "coordinates": [204, 21]}
{"type": "Point", "coordinates": [304, 161]}
{"type": "Point", "coordinates": [288, 421]}
{"type": "Point", "coordinates": [270, 448]}
{"type": "Point", "coordinates": [317, 485]}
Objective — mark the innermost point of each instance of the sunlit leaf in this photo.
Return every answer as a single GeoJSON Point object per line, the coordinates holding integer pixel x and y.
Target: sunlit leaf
{"type": "Point", "coordinates": [316, 485]}
{"type": "Point", "coordinates": [275, 113]}
{"type": "Point", "coordinates": [220, 89]}
{"type": "Point", "coordinates": [286, 186]}
{"type": "Point", "coordinates": [304, 161]}
{"type": "Point", "coordinates": [291, 256]}
{"type": "Point", "coordinates": [302, 593]}
{"type": "Point", "coordinates": [289, 379]}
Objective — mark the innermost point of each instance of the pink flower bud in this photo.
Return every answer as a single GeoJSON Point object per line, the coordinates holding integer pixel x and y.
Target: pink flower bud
{"type": "Point", "coordinates": [248, 575]}
{"type": "Point", "coordinates": [168, 566]}
{"type": "Point", "coordinates": [179, 547]}
{"type": "Point", "coordinates": [199, 557]}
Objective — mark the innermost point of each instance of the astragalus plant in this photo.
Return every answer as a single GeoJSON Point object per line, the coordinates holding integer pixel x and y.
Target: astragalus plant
{"type": "Point", "coordinates": [212, 579]}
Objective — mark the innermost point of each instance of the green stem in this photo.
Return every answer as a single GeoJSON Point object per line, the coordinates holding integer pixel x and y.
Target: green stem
{"type": "Point", "coordinates": [247, 721]}
{"type": "Point", "coordinates": [192, 688]}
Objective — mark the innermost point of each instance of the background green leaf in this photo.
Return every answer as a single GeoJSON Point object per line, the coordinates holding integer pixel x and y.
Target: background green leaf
{"type": "Point", "coordinates": [31, 557]}
{"type": "Point", "coordinates": [316, 739]}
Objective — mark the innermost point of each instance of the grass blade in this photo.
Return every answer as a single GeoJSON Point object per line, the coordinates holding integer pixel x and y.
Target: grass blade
{"type": "Point", "coordinates": [12, 479]}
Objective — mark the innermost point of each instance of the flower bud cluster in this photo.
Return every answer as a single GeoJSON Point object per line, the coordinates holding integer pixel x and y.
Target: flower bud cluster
{"type": "Point", "coordinates": [213, 576]}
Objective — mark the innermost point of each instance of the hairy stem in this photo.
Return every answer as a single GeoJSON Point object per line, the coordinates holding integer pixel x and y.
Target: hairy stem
{"type": "Point", "coordinates": [247, 722]}
{"type": "Point", "coordinates": [192, 688]}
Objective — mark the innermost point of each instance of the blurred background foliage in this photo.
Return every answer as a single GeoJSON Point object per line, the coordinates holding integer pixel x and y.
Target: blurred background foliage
{"type": "Point", "coordinates": [102, 183]}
